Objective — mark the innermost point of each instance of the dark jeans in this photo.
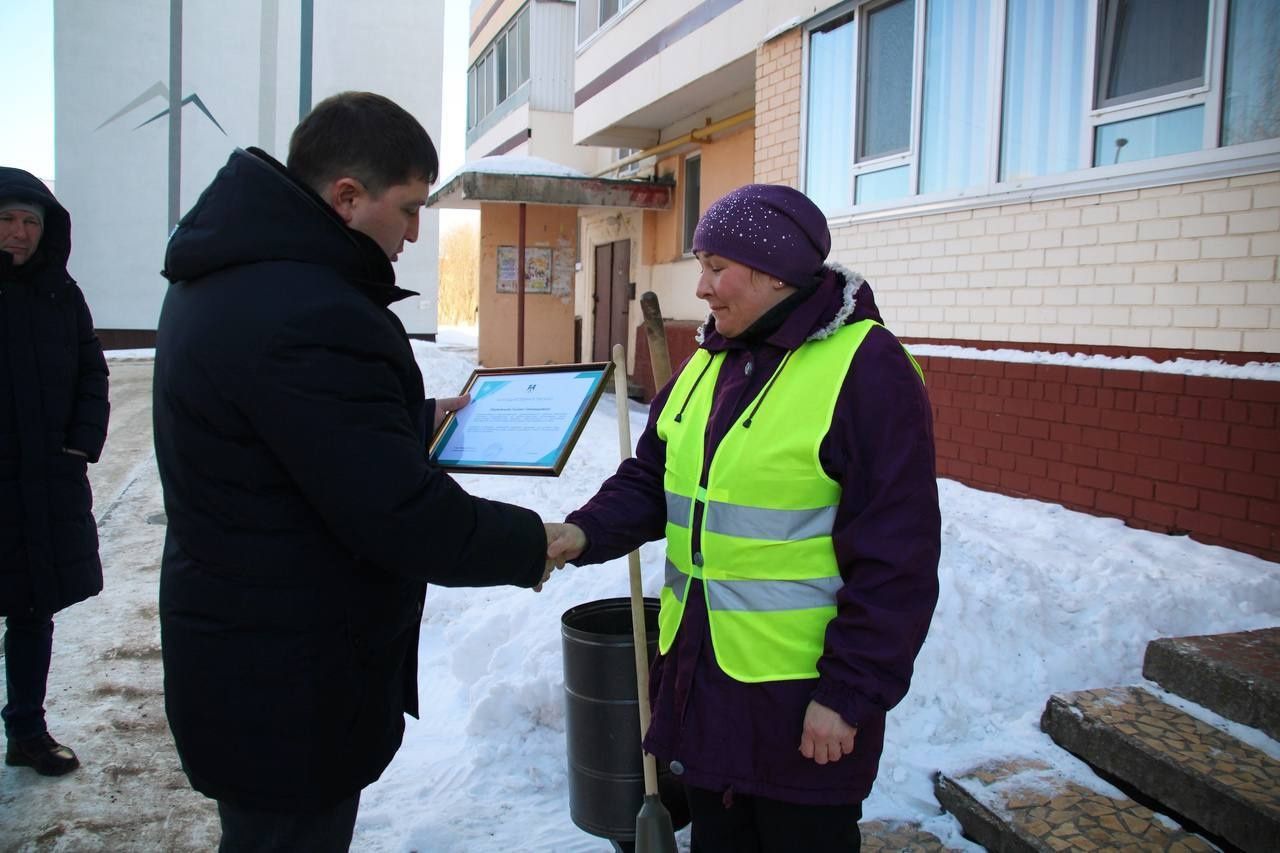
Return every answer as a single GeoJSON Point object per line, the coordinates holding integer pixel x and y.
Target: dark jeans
{"type": "Point", "coordinates": [28, 646]}
{"type": "Point", "coordinates": [253, 831]}
{"type": "Point", "coordinates": [741, 824]}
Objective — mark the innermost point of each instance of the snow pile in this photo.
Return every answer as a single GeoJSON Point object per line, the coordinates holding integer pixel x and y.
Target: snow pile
{"type": "Point", "coordinates": [1035, 599]}
{"type": "Point", "coordinates": [1267, 371]}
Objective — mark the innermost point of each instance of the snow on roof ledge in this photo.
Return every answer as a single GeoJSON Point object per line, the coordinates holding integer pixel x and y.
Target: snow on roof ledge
{"type": "Point", "coordinates": [533, 180]}
{"type": "Point", "coordinates": [504, 164]}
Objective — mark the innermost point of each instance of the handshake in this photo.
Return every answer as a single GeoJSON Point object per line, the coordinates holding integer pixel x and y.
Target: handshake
{"type": "Point", "coordinates": [564, 542]}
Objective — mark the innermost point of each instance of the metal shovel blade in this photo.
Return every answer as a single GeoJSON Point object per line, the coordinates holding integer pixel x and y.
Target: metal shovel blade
{"type": "Point", "coordinates": [653, 827]}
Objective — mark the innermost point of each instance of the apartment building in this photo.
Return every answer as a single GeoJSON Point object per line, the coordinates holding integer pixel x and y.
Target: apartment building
{"type": "Point", "coordinates": [1093, 181]}
{"type": "Point", "coordinates": [530, 183]}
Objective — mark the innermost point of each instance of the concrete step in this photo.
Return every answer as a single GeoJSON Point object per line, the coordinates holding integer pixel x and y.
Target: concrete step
{"type": "Point", "coordinates": [1195, 771]}
{"type": "Point", "coordinates": [879, 836]}
{"type": "Point", "coordinates": [1235, 675]}
{"type": "Point", "coordinates": [1018, 805]}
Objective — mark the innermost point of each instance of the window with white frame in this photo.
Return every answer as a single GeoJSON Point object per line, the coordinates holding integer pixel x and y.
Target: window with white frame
{"type": "Point", "coordinates": [938, 98]}
{"type": "Point", "coordinates": [501, 69]}
{"type": "Point", "coordinates": [1148, 51]}
{"type": "Point", "coordinates": [594, 14]}
{"type": "Point", "coordinates": [629, 169]}
{"type": "Point", "coordinates": [692, 202]}
{"type": "Point", "coordinates": [1250, 105]}
{"type": "Point", "coordinates": [1043, 89]}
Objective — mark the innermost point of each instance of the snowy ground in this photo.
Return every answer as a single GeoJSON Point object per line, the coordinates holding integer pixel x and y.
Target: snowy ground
{"type": "Point", "coordinates": [1035, 599]}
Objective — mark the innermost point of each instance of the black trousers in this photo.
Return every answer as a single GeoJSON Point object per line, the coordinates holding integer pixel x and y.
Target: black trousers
{"type": "Point", "coordinates": [254, 831]}
{"type": "Point", "coordinates": [734, 823]}
{"type": "Point", "coordinates": [28, 647]}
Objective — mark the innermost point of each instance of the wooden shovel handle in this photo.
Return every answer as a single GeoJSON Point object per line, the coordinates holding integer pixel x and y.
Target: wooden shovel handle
{"type": "Point", "coordinates": [639, 637]}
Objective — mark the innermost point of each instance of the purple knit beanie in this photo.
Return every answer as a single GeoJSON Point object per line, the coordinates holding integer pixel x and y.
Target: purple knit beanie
{"type": "Point", "coordinates": [768, 227]}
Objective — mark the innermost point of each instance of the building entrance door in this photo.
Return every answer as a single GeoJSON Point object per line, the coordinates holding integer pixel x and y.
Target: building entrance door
{"type": "Point", "coordinates": [612, 297]}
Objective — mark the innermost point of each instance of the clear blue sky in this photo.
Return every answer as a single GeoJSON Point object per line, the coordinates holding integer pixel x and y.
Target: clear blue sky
{"type": "Point", "coordinates": [27, 138]}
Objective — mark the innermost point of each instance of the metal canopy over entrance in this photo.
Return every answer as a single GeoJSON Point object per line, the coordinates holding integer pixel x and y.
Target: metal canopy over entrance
{"type": "Point", "coordinates": [473, 187]}
{"type": "Point", "coordinates": [468, 189]}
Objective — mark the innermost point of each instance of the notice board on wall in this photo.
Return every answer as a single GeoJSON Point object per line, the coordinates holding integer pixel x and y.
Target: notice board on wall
{"type": "Point", "coordinates": [545, 270]}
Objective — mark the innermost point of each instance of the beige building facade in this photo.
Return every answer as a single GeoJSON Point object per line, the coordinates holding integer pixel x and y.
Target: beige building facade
{"type": "Point", "coordinates": [1174, 252]}
{"type": "Point", "coordinates": [1079, 177]}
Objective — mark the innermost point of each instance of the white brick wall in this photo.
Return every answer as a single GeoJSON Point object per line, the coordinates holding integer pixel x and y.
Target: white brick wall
{"type": "Point", "coordinates": [1183, 266]}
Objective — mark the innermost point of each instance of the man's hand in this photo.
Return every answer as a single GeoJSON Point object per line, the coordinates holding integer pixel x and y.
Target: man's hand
{"type": "Point", "coordinates": [546, 573]}
{"type": "Point", "coordinates": [564, 542]}
{"type": "Point", "coordinates": [446, 405]}
{"type": "Point", "coordinates": [826, 735]}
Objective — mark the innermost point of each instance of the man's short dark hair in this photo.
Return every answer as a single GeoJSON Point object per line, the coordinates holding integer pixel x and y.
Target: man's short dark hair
{"type": "Point", "coordinates": [363, 136]}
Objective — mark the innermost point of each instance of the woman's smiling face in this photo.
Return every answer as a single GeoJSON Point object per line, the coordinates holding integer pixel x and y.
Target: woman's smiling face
{"type": "Point", "coordinates": [736, 294]}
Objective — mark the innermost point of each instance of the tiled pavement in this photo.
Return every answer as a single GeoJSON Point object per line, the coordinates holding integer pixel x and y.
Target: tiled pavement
{"type": "Point", "coordinates": [1187, 768]}
{"type": "Point", "coordinates": [1042, 809]}
{"type": "Point", "coordinates": [882, 837]}
{"type": "Point", "coordinates": [1227, 787]}
{"type": "Point", "coordinates": [1237, 675]}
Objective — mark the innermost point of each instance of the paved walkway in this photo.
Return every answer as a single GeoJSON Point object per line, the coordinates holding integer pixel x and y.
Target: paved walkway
{"type": "Point", "coordinates": [105, 698]}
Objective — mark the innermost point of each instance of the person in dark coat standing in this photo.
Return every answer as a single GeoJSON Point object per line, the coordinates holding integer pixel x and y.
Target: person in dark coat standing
{"type": "Point", "coordinates": [53, 422]}
{"type": "Point", "coordinates": [789, 465]}
{"type": "Point", "coordinates": [304, 517]}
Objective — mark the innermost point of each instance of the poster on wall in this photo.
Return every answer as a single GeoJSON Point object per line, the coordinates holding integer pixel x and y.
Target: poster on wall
{"type": "Point", "coordinates": [562, 264]}
{"type": "Point", "coordinates": [537, 269]}
{"type": "Point", "coordinates": [506, 269]}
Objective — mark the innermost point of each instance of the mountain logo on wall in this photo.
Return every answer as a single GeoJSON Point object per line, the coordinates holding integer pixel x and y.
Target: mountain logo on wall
{"type": "Point", "coordinates": [160, 90]}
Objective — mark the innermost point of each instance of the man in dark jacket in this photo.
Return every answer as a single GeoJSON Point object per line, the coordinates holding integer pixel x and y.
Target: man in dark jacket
{"type": "Point", "coordinates": [304, 519]}
{"type": "Point", "coordinates": [53, 421]}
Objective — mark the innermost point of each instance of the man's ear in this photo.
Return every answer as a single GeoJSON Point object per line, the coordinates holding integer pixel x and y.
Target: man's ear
{"type": "Point", "coordinates": [343, 195]}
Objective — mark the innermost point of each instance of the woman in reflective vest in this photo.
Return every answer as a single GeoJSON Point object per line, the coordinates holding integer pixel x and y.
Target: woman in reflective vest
{"type": "Point", "coordinates": [789, 466]}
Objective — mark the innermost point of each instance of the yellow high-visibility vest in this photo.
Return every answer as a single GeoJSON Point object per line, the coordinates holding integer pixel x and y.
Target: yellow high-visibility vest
{"type": "Point", "coordinates": [764, 550]}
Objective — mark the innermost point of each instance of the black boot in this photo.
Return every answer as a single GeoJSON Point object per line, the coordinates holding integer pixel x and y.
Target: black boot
{"type": "Point", "coordinates": [42, 752]}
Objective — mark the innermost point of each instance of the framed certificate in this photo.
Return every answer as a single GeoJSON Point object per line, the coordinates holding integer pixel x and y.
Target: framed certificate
{"type": "Point", "coordinates": [521, 420]}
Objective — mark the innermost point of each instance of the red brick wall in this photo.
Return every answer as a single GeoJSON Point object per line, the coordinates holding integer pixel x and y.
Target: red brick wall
{"type": "Point", "coordinates": [1186, 455]}
{"type": "Point", "coordinates": [1179, 454]}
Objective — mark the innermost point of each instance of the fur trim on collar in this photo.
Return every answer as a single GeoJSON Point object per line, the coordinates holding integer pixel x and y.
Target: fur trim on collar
{"type": "Point", "coordinates": [852, 281]}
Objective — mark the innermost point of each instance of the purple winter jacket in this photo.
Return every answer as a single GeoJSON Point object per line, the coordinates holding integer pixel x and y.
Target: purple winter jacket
{"type": "Point", "coordinates": [733, 736]}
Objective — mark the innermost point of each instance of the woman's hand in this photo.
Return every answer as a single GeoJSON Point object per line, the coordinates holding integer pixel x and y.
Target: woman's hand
{"type": "Point", "coordinates": [826, 736]}
{"type": "Point", "coordinates": [564, 542]}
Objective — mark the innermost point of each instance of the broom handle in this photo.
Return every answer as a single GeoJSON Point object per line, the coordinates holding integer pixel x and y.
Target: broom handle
{"type": "Point", "coordinates": [638, 637]}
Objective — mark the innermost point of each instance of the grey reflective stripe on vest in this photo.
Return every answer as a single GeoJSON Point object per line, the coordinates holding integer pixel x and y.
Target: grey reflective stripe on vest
{"type": "Point", "coordinates": [762, 596]}
{"type": "Point", "coordinates": [759, 596]}
{"type": "Point", "coordinates": [675, 581]}
{"type": "Point", "coordinates": [679, 509]}
{"type": "Point", "coordinates": [780, 525]}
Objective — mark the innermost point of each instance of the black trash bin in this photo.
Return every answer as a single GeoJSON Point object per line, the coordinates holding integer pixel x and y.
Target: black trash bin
{"type": "Point", "coordinates": [602, 720]}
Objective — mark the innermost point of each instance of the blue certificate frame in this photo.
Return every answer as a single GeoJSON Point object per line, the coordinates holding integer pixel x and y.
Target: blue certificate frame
{"type": "Point", "coordinates": [521, 420]}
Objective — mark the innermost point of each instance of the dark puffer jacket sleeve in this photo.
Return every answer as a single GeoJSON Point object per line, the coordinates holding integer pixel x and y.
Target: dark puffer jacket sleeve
{"type": "Point", "coordinates": [327, 400]}
{"type": "Point", "coordinates": [87, 431]}
{"type": "Point", "coordinates": [887, 533]}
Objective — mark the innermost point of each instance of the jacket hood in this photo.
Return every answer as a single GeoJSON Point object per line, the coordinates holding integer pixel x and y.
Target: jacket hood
{"type": "Point", "coordinates": [842, 297]}
{"type": "Point", "coordinates": [256, 211]}
{"type": "Point", "coordinates": [55, 239]}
